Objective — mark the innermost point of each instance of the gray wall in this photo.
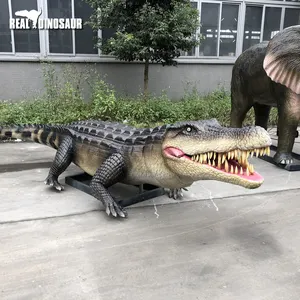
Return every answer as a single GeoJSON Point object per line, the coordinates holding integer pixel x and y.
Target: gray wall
{"type": "Point", "coordinates": [22, 80]}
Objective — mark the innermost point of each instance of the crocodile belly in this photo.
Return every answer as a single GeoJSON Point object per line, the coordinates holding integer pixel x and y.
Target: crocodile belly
{"type": "Point", "coordinates": [88, 158]}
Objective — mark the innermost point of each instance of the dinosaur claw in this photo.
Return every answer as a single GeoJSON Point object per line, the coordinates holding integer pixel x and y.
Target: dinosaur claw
{"type": "Point", "coordinates": [283, 158]}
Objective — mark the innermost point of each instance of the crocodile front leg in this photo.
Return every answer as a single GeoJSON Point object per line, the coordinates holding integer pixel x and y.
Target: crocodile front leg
{"type": "Point", "coordinates": [110, 172]}
{"type": "Point", "coordinates": [176, 193]}
{"type": "Point", "coordinates": [62, 160]}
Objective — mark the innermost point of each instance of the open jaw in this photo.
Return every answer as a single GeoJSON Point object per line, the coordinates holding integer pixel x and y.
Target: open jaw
{"type": "Point", "coordinates": [234, 162]}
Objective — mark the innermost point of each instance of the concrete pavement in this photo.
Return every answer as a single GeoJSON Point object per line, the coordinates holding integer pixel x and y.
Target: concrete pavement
{"type": "Point", "coordinates": [221, 242]}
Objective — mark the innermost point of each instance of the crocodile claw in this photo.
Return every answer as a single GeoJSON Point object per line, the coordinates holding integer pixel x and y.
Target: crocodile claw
{"type": "Point", "coordinates": [112, 208]}
{"type": "Point", "coordinates": [176, 193]}
{"type": "Point", "coordinates": [52, 181]}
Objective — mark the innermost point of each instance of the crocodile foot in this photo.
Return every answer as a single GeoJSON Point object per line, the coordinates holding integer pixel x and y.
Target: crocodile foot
{"type": "Point", "coordinates": [176, 193]}
{"type": "Point", "coordinates": [52, 181]}
{"type": "Point", "coordinates": [283, 158]}
{"type": "Point", "coordinates": [114, 209]}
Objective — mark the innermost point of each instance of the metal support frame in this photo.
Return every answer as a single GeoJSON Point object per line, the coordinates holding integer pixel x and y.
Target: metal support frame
{"type": "Point", "coordinates": [145, 191]}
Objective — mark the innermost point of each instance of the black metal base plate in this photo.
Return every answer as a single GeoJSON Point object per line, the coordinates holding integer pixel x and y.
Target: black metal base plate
{"type": "Point", "coordinates": [135, 194]}
{"type": "Point", "coordinates": [295, 166]}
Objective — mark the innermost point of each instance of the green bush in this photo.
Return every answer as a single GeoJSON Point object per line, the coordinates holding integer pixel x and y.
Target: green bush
{"type": "Point", "coordinates": [63, 103]}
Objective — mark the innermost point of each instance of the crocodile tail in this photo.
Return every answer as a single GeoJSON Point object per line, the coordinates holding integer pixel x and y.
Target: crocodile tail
{"type": "Point", "coordinates": [42, 134]}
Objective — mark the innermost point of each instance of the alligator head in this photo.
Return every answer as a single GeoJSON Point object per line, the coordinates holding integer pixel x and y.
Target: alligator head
{"type": "Point", "coordinates": [204, 150]}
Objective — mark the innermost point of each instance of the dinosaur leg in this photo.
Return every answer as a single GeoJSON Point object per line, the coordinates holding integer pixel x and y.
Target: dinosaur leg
{"type": "Point", "coordinates": [289, 115]}
{"type": "Point", "coordinates": [240, 105]}
{"type": "Point", "coordinates": [109, 173]}
{"type": "Point", "coordinates": [262, 113]}
{"type": "Point", "coordinates": [62, 160]}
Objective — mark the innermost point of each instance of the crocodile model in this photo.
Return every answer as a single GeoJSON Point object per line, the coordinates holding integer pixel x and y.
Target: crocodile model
{"type": "Point", "coordinates": [169, 156]}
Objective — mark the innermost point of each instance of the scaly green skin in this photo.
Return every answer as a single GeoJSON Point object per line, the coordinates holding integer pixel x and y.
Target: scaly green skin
{"type": "Point", "coordinates": [170, 156]}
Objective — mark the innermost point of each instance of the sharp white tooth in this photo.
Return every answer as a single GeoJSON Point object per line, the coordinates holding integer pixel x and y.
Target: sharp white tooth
{"type": "Point", "coordinates": [213, 163]}
{"type": "Point", "coordinates": [200, 158]}
{"type": "Point", "coordinates": [241, 171]}
{"type": "Point", "coordinates": [236, 154]}
{"type": "Point", "coordinates": [244, 156]}
{"type": "Point", "coordinates": [209, 162]}
{"type": "Point", "coordinates": [223, 158]}
{"type": "Point", "coordinates": [251, 169]}
{"type": "Point", "coordinates": [247, 172]}
{"type": "Point", "coordinates": [259, 152]}
{"type": "Point", "coordinates": [226, 166]}
{"type": "Point", "coordinates": [231, 169]}
{"type": "Point", "coordinates": [236, 170]}
{"type": "Point", "coordinates": [210, 154]}
{"type": "Point", "coordinates": [219, 160]}
{"type": "Point", "coordinates": [214, 157]}
{"type": "Point", "coordinates": [205, 157]}
{"type": "Point", "coordinates": [252, 152]}
{"type": "Point", "coordinates": [268, 151]}
{"type": "Point", "coordinates": [247, 153]}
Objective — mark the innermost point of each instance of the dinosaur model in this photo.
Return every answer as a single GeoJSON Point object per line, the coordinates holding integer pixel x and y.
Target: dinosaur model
{"type": "Point", "coordinates": [169, 156]}
{"type": "Point", "coordinates": [267, 75]}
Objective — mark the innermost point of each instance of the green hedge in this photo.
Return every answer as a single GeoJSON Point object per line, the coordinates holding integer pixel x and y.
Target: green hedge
{"type": "Point", "coordinates": [63, 103]}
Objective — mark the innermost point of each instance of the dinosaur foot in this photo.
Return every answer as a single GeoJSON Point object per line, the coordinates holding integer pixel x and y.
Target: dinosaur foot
{"type": "Point", "coordinates": [176, 193]}
{"type": "Point", "coordinates": [283, 158]}
{"type": "Point", "coordinates": [114, 209]}
{"type": "Point", "coordinates": [52, 181]}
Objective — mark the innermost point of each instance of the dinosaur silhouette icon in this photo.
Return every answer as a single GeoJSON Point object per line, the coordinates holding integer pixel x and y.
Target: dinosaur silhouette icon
{"type": "Point", "coordinates": [32, 15]}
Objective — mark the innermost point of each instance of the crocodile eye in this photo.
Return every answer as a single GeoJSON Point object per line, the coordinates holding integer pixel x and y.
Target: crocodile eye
{"type": "Point", "coordinates": [189, 129]}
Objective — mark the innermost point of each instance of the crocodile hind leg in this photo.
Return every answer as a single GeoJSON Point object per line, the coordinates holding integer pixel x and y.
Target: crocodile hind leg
{"type": "Point", "coordinates": [110, 172]}
{"type": "Point", "coordinates": [62, 160]}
